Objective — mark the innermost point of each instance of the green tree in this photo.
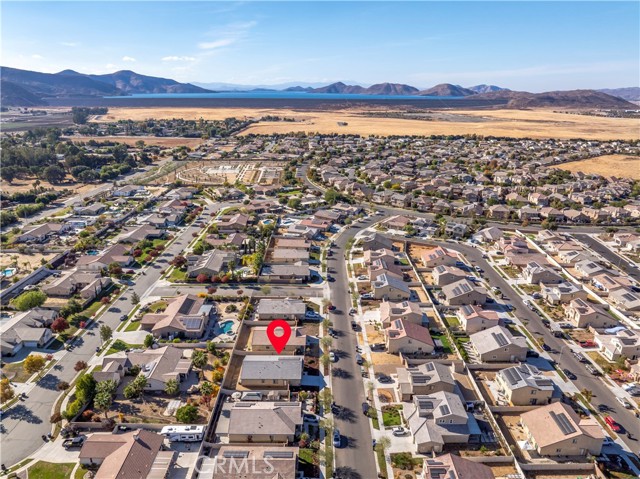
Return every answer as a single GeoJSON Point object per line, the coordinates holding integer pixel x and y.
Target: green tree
{"type": "Point", "coordinates": [34, 363]}
{"type": "Point", "coordinates": [85, 388]}
{"type": "Point", "coordinates": [53, 174]}
{"type": "Point", "coordinates": [326, 342]}
{"type": "Point", "coordinates": [148, 341]}
{"type": "Point", "coordinates": [102, 401]}
{"type": "Point", "coordinates": [29, 300]}
{"type": "Point", "coordinates": [331, 196]}
{"type": "Point", "coordinates": [114, 269]}
{"type": "Point", "coordinates": [135, 387]}
{"type": "Point", "coordinates": [187, 414]}
{"type": "Point", "coordinates": [199, 358]}
{"type": "Point", "coordinates": [326, 398]}
{"type": "Point", "coordinates": [206, 388]}
{"type": "Point", "coordinates": [135, 299]}
{"type": "Point", "coordinates": [172, 387]}
{"type": "Point", "coordinates": [105, 333]}
{"type": "Point", "coordinates": [211, 347]}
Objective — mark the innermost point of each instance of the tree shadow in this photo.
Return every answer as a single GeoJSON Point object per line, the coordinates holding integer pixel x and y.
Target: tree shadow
{"type": "Point", "coordinates": [346, 472]}
{"type": "Point", "coordinates": [341, 373]}
{"type": "Point", "coordinates": [21, 413]}
{"type": "Point", "coordinates": [345, 414]}
{"type": "Point", "coordinates": [49, 381]}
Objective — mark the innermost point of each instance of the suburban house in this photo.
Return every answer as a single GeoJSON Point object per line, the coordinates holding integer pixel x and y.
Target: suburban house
{"type": "Point", "coordinates": [157, 365]}
{"type": "Point", "coordinates": [233, 223]}
{"type": "Point", "coordinates": [623, 343]}
{"type": "Point", "coordinates": [129, 190]}
{"type": "Point", "coordinates": [452, 466]}
{"type": "Point", "coordinates": [87, 285]}
{"type": "Point", "coordinates": [42, 233]}
{"type": "Point", "coordinates": [260, 422]}
{"type": "Point", "coordinates": [250, 461]}
{"type": "Point", "coordinates": [581, 314]}
{"type": "Point", "coordinates": [406, 310]}
{"type": "Point", "coordinates": [259, 341]}
{"type": "Point", "coordinates": [141, 233]}
{"type": "Point", "coordinates": [625, 299]}
{"type": "Point", "coordinates": [26, 330]}
{"type": "Point", "coordinates": [270, 371]}
{"type": "Point", "coordinates": [525, 385]}
{"type": "Point", "coordinates": [94, 209]}
{"type": "Point", "coordinates": [488, 235]}
{"type": "Point", "coordinates": [289, 255]}
{"type": "Point", "coordinates": [376, 242]}
{"type": "Point", "coordinates": [388, 286]}
{"type": "Point", "coordinates": [406, 337]}
{"type": "Point", "coordinates": [607, 283]}
{"type": "Point", "coordinates": [232, 241]}
{"type": "Point", "coordinates": [588, 269]}
{"type": "Point", "coordinates": [474, 318]}
{"type": "Point", "coordinates": [212, 263]}
{"type": "Point", "coordinates": [463, 292]}
{"type": "Point", "coordinates": [439, 256]}
{"type": "Point", "coordinates": [562, 293]}
{"type": "Point", "coordinates": [424, 379]}
{"type": "Point", "coordinates": [292, 243]}
{"type": "Point", "coordinates": [443, 274]}
{"type": "Point", "coordinates": [135, 454]}
{"type": "Point", "coordinates": [281, 309]}
{"type": "Point", "coordinates": [497, 345]}
{"type": "Point", "coordinates": [438, 419]}
{"type": "Point", "coordinates": [556, 430]}
{"type": "Point", "coordinates": [285, 273]}
{"type": "Point", "coordinates": [533, 273]}
{"type": "Point", "coordinates": [118, 253]}
{"type": "Point", "coordinates": [186, 316]}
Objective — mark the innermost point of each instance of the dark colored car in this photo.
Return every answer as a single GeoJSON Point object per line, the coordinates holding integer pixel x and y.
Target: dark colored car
{"type": "Point", "coordinates": [533, 354]}
{"type": "Point", "coordinates": [123, 317]}
{"type": "Point", "coordinates": [569, 374]}
{"type": "Point", "coordinates": [365, 408]}
{"type": "Point", "coordinates": [546, 347]}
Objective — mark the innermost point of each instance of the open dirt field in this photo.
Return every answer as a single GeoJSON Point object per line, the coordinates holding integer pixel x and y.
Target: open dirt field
{"type": "Point", "coordinates": [511, 123]}
{"type": "Point", "coordinates": [609, 165]}
{"type": "Point", "coordinates": [169, 142]}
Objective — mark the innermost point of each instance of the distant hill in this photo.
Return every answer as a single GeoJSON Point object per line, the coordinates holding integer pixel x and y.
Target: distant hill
{"type": "Point", "coordinates": [447, 89]}
{"type": "Point", "coordinates": [15, 95]}
{"type": "Point", "coordinates": [486, 88]}
{"type": "Point", "coordinates": [558, 99]}
{"type": "Point", "coordinates": [299, 88]}
{"type": "Point", "coordinates": [339, 87]}
{"type": "Point", "coordinates": [631, 93]}
{"type": "Point", "coordinates": [131, 83]}
{"type": "Point", "coordinates": [71, 84]}
{"type": "Point", "coordinates": [390, 89]}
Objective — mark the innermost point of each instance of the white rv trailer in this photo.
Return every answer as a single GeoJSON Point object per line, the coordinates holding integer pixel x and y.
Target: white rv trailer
{"type": "Point", "coordinates": [186, 433]}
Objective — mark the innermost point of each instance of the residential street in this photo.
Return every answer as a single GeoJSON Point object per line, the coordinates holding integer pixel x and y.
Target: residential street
{"type": "Point", "coordinates": [614, 258]}
{"type": "Point", "coordinates": [24, 423]}
{"type": "Point", "coordinates": [355, 459]}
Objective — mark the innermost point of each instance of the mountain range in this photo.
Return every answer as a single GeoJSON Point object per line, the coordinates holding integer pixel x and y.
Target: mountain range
{"type": "Point", "coordinates": [29, 88]}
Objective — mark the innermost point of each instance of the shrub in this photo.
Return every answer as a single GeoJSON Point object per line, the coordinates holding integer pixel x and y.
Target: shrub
{"type": "Point", "coordinates": [187, 413]}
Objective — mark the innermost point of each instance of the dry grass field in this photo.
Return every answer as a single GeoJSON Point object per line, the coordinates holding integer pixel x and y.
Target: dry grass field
{"type": "Point", "coordinates": [512, 123]}
{"type": "Point", "coordinates": [623, 166]}
{"type": "Point", "coordinates": [149, 140]}
{"type": "Point", "coordinates": [26, 184]}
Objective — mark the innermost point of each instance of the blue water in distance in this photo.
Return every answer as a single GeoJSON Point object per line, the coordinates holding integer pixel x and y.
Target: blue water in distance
{"type": "Point", "coordinates": [284, 95]}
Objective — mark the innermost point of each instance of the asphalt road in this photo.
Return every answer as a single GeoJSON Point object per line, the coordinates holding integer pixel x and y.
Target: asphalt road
{"type": "Point", "coordinates": [614, 258]}
{"type": "Point", "coordinates": [355, 459]}
{"type": "Point", "coordinates": [249, 289]}
{"type": "Point", "coordinates": [585, 380]}
{"type": "Point", "coordinates": [24, 423]}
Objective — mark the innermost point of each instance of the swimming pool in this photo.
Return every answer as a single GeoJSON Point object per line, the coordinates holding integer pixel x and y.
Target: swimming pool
{"type": "Point", "coordinates": [9, 272]}
{"type": "Point", "coordinates": [226, 326]}
{"type": "Point", "coordinates": [267, 222]}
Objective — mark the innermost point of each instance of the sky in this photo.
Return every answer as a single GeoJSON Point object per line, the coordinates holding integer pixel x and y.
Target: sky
{"type": "Point", "coordinates": [532, 46]}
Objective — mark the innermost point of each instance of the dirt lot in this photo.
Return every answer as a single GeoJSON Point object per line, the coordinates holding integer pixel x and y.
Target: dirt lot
{"type": "Point", "coordinates": [416, 251]}
{"type": "Point", "coordinates": [26, 262]}
{"type": "Point", "coordinates": [608, 165]}
{"type": "Point", "coordinates": [169, 142]}
{"type": "Point", "coordinates": [513, 123]}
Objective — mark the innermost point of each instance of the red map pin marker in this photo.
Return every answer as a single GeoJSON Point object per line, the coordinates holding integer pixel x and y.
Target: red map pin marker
{"type": "Point", "coordinates": [278, 333]}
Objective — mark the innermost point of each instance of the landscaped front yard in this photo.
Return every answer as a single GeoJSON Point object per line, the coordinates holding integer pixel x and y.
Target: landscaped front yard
{"type": "Point", "coordinates": [15, 372]}
{"type": "Point", "coordinates": [48, 470]}
{"type": "Point", "coordinates": [392, 415]}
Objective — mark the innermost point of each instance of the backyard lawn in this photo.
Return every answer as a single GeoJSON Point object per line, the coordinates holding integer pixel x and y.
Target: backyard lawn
{"type": "Point", "coordinates": [391, 415]}
{"type": "Point", "coordinates": [48, 470]}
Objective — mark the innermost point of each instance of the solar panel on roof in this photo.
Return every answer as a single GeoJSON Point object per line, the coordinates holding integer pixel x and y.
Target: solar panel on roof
{"type": "Point", "coordinates": [444, 410]}
{"type": "Point", "coordinates": [430, 366]}
{"type": "Point", "coordinates": [235, 454]}
{"type": "Point", "coordinates": [465, 287]}
{"type": "Point", "coordinates": [563, 423]}
{"type": "Point", "coordinates": [511, 376]}
{"type": "Point", "coordinates": [425, 404]}
{"type": "Point", "coordinates": [500, 339]}
{"type": "Point", "coordinates": [192, 323]}
{"type": "Point", "coordinates": [467, 309]}
{"type": "Point", "coordinates": [420, 378]}
{"type": "Point", "coordinates": [279, 454]}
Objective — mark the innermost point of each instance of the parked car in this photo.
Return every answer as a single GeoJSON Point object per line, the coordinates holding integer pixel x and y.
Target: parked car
{"type": "Point", "coordinates": [546, 347]}
{"type": "Point", "coordinates": [123, 317]}
{"type": "Point", "coordinates": [332, 357]}
{"type": "Point", "coordinates": [354, 325]}
{"type": "Point", "coordinates": [337, 439]}
{"type": "Point", "coordinates": [362, 277]}
{"type": "Point", "coordinates": [592, 370]}
{"type": "Point", "coordinates": [352, 311]}
{"type": "Point", "coordinates": [478, 269]}
{"type": "Point", "coordinates": [626, 404]}
{"type": "Point", "coordinates": [365, 408]}
{"type": "Point", "coordinates": [311, 418]}
{"type": "Point", "coordinates": [533, 354]}
{"type": "Point", "coordinates": [363, 372]}
{"type": "Point", "coordinates": [359, 359]}
{"type": "Point", "coordinates": [587, 344]}
{"type": "Point", "coordinates": [399, 431]}
{"type": "Point", "coordinates": [367, 296]}
{"type": "Point", "coordinates": [384, 379]}
{"type": "Point", "coordinates": [569, 374]}
{"type": "Point", "coordinates": [77, 441]}
{"type": "Point", "coordinates": [615, 427]}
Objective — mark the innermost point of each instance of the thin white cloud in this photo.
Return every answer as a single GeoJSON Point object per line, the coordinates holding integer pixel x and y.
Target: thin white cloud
{"type": "Point", "coordinates": [69, 44]}
{"type": "Point", "coordinates": [35, 56]}
{"type": "Point", "coordinates": [109, 66]}
{"type": "Point", "coordinates": [174, 58]}
{"type": "Point", "coordinates": [216, 44]}
{"type": "Point", "coordinates": [128, 59]}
